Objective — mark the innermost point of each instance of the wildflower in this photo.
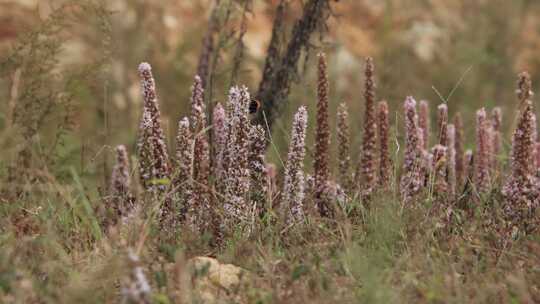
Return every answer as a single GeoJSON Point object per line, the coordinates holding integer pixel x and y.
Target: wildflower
{"type": "Point", "coordinates": [534, 137]}
{"type": "Point", "coordinates": [257, 167]}
{"type": "Point", "coordinates": [426, 163]}
{"type": "Point", "coordinates": [442, 123]}
{"type": "Point", "coordinates": [385, 163]}
{"type": "Point", "coordinates": [183, 179]}
{"type": "Point", "coordinates": [521, 189]}
{"type": "Point", "coordinates": [522, 140]}
{"type": "Point", "coordinates": [468, 158]}
{"type": "Point", "coordinates": [461, 171]}
{"type": "Point", "coordinates": [344, 158]}
{"type": "Point", "coordinates": [144, 149]}
{"type": "Point", "coordinates": [451, 161]}
{"type": "Point", "coordinates": [538, 156]}
{"type": "Point", "coordinates": [151, 145]}
{"type": "Point", "coordinates": [411, 181]}
{"type": "Point", "coordinates": [236, 156]}
{"type": "Point", "coordinates": [121, 198]}
{"type": "Point", "coordinates": [482, 156]}
{"type": "Point", "coordinates": [424, 122]}
{"type": "Point", "coordinates": [524, 91]}
{"type": "Point", "coordinates": [293, 184]}
{"type": "Point", "coordinates": [439, 166]}
{"type": "Point", "coordinates": [201, 152]}
{"type": "Point", "coordinates": [219, 142]}
{"type": "Point", "coordinates": [496, 122]}
{"type": "Point", "coordinates": [322, 139]}
{"type": "Point", "coordinates": [369, 145]}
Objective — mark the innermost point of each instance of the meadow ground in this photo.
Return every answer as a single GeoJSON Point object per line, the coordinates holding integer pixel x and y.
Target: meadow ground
{"type": "Point", "coordinates": [310, 189]}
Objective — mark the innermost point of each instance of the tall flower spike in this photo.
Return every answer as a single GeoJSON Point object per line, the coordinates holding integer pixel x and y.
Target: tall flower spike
{"type": "Point", "coordinates": [426, 159]}
{"type": "Point", "coordinates": [322, 140]}
{"type": "Point", "coordinates": [491, 155]}
{"type": "Point", "coordinates": [183, 178]}
{"type": "Point", "coordinates": [121, 183]}
{"type": "Point", "coordinates": [451, 161]}
{"type": "Point", "coordinates": [293, 184]}
{"type": "Point", "coordinates": [219, 142]}
{"type": "Point", "coordinates": [385, 163]}
{"type": "Point", "coordinates": [521, 190]}
{"type": "Point", "coordinates": [257, 166]}
{"type": "Point", "coordinates": [522, 145]}
{"type": "Point", "coordinates": [461, 172]}
{"type": "Point", "coordinates": [482, 155]}
{"type": "Point", "coordinates": [439, 170]}
{"type": "Point", "coordinates": [369, 144]}
{"type": "Point", "coordinates": [537, 145]}
{"type": "Point", "coordinates": [144, 149]}
{"type": "Point", "coordinates": [201, 154]}
{"type": "Point", "coordinates": [152, 148]}
{"type": "Point", "coordinates": [426, 162]}
{"type": "Point", "coordinates": [424, 122]}
{"type": "Point", "coordinates": [442, 123]}
{"type": "Point", "coordinates": [534, 137]}
{"type": "Point", "coordinates": [344, 158]}
{"type": "Point", "coordinates": [121, 198]}
{"type": "Point", "coordinates": [468, 158]}
{"type": "Point", "coordinates": [236, 158]}
{"type": "Point", "coordinates": [496, 123]}
{"type": "Point", "coordinates": [522, 141]}
{"type": "Point", "coordinates": [524, 91]}
{"type": "Point", "coordinates": [411, 181]}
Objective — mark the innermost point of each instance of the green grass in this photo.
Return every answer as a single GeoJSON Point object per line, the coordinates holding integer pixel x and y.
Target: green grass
{"type": "Point", "coordinates": [50, 252]}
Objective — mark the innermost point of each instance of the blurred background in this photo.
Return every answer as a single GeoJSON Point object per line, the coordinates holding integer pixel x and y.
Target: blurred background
{"type": "Point", "coordinates": [69, 89]}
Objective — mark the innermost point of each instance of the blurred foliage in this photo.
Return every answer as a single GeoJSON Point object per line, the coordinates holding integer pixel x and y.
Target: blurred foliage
{"type": "Point", "coordinates": [462, 52]}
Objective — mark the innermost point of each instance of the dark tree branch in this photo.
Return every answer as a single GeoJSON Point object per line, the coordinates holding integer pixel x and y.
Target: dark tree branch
{"type": "Point", "coordinates": [240, 46]}
{"type": "Point", "coordinates": [279, 69]}
{"type": "Point", "coordinates": [203, 66]}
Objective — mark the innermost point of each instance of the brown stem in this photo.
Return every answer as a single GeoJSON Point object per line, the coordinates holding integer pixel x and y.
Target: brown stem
{"type": "Point", "coordinates": [274, 86]}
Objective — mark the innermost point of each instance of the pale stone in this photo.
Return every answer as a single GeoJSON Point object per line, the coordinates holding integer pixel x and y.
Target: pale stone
{"type": "Point", "coordinates": [213, 279]}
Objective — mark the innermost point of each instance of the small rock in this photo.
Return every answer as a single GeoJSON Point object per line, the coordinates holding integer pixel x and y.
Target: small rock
{"type": "Point", "coordinates": [213, 279]}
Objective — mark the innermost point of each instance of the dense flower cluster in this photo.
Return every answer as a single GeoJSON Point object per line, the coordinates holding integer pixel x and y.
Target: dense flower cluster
{"type": "Point", "coordinates": [368, 164]}
{"type": "Point", "coordinates": [424, 122]}
{"type": "Point", "coordinates": [236, 190]}
{"type": "Point", "coordinates": [483, 152]}
{"type": "Point", "coordinates": [442, 123]}
{"type": "Point", "coordinates": [183, 178]}
{"type": "Point", "coordinates": [236, 156]}
{"type": "Point", "coordinates": [121, 200]}
{"type": "Point", "coordinates": [293, 184]}
{"type": "Point", "coordinates": [439, 166]}
{"type": "Point", "coordinates": [322, 140]}
{"type": "Point", "coordinates": [385, 162]}
{"type": "Point", "coordinates": [219, 141]}
{"type": "Point", "coordinates": [153, 154]}
{"type": "Point", "coordinates": [343, 138]}
{"type": "Point", "coordinates": [201, 150]}
{"type": "Point", "coordinates": [411, 181]}
{"type": "Point", "coordinates": [461, 172]}
{"type": "Point", "coordinates": [521, 188]}
{"type": "Point", "coordinates": [257, 166]}
{"type": "Point", "coordinates": [496, 123]}
{"type": "Point", "coordinates": [451, 161]}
